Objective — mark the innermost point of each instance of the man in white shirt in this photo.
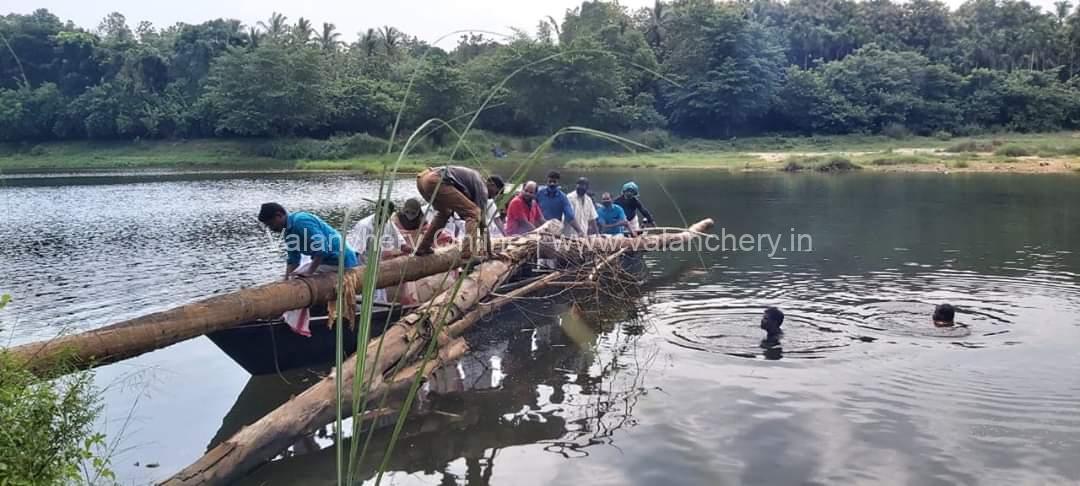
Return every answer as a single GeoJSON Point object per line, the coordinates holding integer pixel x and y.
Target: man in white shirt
{"type": "Point", "coordinates": [584, 210]}
{"type": "Point", "coordinates": [393, 243]}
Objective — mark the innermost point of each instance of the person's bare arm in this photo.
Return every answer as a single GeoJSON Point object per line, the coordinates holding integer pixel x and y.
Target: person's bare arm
{"type": "Point", "coordinates": [316, 261]}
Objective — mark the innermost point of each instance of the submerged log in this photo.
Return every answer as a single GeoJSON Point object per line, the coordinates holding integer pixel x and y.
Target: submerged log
{"type": "Point", "coordinates": [140, 335]}
{"type": "Point", "coordinates": [445, 318]}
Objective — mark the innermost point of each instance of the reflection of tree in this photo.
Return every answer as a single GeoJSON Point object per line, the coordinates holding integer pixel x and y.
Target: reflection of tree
{"type": "Point", "coordinates": [545, 373]}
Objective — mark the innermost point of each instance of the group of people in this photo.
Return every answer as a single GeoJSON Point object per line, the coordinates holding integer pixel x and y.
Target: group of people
{"type": "Point", "coordinates": [459, 195]}
{"type": "Point", "coordinates": [580, 215]}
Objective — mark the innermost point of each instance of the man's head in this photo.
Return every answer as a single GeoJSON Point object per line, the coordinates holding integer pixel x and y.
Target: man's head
{"type": "Point", "coordinates": [630, 189]}
{"type": "Point", "coordinates": [582, 186]}
{"type": "Point", "coordinates": [495, 186]}
{"type": "Point", "coordinates": [411, 214]}
{"type": "Point", "coordinates": [944, 315]}
{"type": "Point", "coordinates": [605, 199]}
{"type": "Point", "coordinates": [274, 216]}
{"type": "Point", "coordinates": [772, 320]}
{"type": "Point", "coordinates": [553, 179]}
{"type": "Point", "coordinates": [528, 192]}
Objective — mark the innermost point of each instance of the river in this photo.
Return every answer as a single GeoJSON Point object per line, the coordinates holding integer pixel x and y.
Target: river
{"type": "Point", "coordinates": [674, 389]}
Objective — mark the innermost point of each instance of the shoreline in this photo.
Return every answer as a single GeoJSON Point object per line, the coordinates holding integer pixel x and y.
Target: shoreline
{"type": "Point", "coordinates": [1005, 154]}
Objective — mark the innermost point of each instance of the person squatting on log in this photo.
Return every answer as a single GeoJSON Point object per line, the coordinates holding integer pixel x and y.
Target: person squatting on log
{"type": "Point", "coordinates": [308, 235]}
{"type": "Point", "coordinates": [523, 212]}
{"type": "Point", "coordinates": [454, 189]}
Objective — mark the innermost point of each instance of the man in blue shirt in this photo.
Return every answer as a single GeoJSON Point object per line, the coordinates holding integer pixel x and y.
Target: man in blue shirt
{"type": "Point", "coordinates": [555, 205]}
{"type": "Point", "coordinates": [610, 217]}
{"type": "Point", "coordinates": [306, 234]}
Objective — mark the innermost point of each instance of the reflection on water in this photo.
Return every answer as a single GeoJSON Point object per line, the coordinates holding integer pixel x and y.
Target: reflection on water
{"type": "Point", "coordinates": [532, 377]}
{"type": "Point", "coordinates": [677, 389]}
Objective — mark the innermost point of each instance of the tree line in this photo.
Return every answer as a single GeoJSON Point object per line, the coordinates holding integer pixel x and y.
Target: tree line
{"type": "Point", "coordinates": [692, 67]}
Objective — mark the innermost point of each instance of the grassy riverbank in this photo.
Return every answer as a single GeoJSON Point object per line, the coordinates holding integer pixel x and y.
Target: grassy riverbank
{"type": "Point", "coordinates": [1056, 152]}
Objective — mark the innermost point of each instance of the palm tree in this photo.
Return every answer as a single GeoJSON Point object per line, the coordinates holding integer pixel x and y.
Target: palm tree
{"type": "Point", "coordinates": [276, 28]}
{"type": "Point", "coordinates": [555, 27]}
{"type": "Point", "coordinates": [654, 32]}
{"type": "Point", "coordinates": [302, 31]}
{"type": "Point", "coordinates": [369, 43]}
{"type": "Point", "coordinates": [328, 39]}
{"type": "Point", "coordinates": [1062, 8]}
{"type": "Point", "coordinates": [254, 37]}
{"type": "Point", "coordinates": [390, 38]}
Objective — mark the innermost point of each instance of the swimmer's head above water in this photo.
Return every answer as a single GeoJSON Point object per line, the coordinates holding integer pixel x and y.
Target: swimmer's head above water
{"type": "Point", "coordinates": [944, 315]}
{"type": "Point", "coordinates": [771, 322]}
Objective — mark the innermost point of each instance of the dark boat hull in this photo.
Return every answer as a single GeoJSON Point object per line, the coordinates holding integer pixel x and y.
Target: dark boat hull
{"type": "Point", "coordinates": [265, 347]}
{"type": "Point", "coordinates": [270, 346]}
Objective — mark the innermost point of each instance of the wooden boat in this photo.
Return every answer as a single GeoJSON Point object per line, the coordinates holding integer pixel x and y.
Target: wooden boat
{"type": "Point", "coordinates": [269, 346]}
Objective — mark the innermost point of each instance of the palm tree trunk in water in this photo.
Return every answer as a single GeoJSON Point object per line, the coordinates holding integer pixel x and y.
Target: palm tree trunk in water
{"type": "Point", "coordinates": [133, 337]}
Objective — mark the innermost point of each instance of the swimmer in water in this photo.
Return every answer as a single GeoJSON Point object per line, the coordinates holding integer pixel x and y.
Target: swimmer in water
{"type": "Point", "coordinates": [771, 322]}
{"type": "Point", "coordinates": [944, 315]}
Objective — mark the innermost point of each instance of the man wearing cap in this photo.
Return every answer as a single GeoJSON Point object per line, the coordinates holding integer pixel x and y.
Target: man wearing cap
{"type": "Point", "coordinates": [584, 207]}
{"type": "Point", "coordinates": [399, 234]}
{"type": "Point", "coordinates": [453, 189]}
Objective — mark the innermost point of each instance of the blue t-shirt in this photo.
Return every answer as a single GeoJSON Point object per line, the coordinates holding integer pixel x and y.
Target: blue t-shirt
{"type": "Point", "coordinates": [306, 234]}
{"type": "Point", "coordinates": [614, 214]}
{"type": "Point", "coordinates": [554, 204]}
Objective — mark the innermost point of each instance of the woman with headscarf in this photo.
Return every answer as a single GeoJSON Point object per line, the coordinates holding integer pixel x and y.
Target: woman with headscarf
{"type": "Point", "coordinates": [632, 205]}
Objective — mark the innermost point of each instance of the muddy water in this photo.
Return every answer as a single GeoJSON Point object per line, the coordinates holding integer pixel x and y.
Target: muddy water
{"type": "Point", "coordinates": [676, 388]}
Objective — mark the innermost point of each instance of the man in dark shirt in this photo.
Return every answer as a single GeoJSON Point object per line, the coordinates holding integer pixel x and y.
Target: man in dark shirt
{"type": "Point", "coordinates": [455, 189]}
{"type": "Point", "coordinates": [631, 205]}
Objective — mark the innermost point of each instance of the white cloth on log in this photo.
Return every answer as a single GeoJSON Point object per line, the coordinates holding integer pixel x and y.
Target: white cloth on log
{"type": "Point", "coordinates": [299, 320]}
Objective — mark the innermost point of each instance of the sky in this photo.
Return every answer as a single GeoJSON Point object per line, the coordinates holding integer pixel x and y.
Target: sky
{"type": "Point", "coordinates": [427, 19]}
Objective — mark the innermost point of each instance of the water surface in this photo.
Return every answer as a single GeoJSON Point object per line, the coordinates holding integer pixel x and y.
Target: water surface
{"type": "Point", "coordinates": [675, 388]}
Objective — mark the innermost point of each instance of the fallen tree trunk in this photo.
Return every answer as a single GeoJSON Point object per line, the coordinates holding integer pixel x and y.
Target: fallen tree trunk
{"type": "Point", "coordinates": [136, 336]}
{"type": "Point", "coordinates": [446, 316]}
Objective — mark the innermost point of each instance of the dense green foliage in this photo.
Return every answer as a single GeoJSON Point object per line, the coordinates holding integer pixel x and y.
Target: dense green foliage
{"type": "Point", "coordinates": [692, 67]}
{"type": "Point", "coordinates": [46, 434]}
{"type": "Point", "coordinates": [46, 428]}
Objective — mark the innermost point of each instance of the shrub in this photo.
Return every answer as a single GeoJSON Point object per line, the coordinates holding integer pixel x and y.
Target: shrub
{"type": "Point", "coordinates": [360, 143]}
{"type": "Point", "coordinates": [820, 164]}
{"type": "Point", "coordinates": [1013, 151]}
{"type": "Point", "coordinates": [836, 164]}
{"type": "Point", "coordinates": [792, 166]}
{"type": "Point", "coordinates": [973, 146]}
{"type": "Point", "coordinates": [655, 138]}
{"type": "Point", "coordinates": [943, 135]}
{"type": "Point", "coordinates": [333, 148]}
{"type": "Point", "coordinates": [47, 434]}
{"type": "Point", "coordinates": [901, 159]}
{"type": "Point", "coordinates": [961, 164]}
{"type": "Point", "coordinates": [896, 131]}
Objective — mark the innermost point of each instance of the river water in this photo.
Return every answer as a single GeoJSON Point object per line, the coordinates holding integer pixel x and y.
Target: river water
{"type": "Point", "coordinates": [673, 389]}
